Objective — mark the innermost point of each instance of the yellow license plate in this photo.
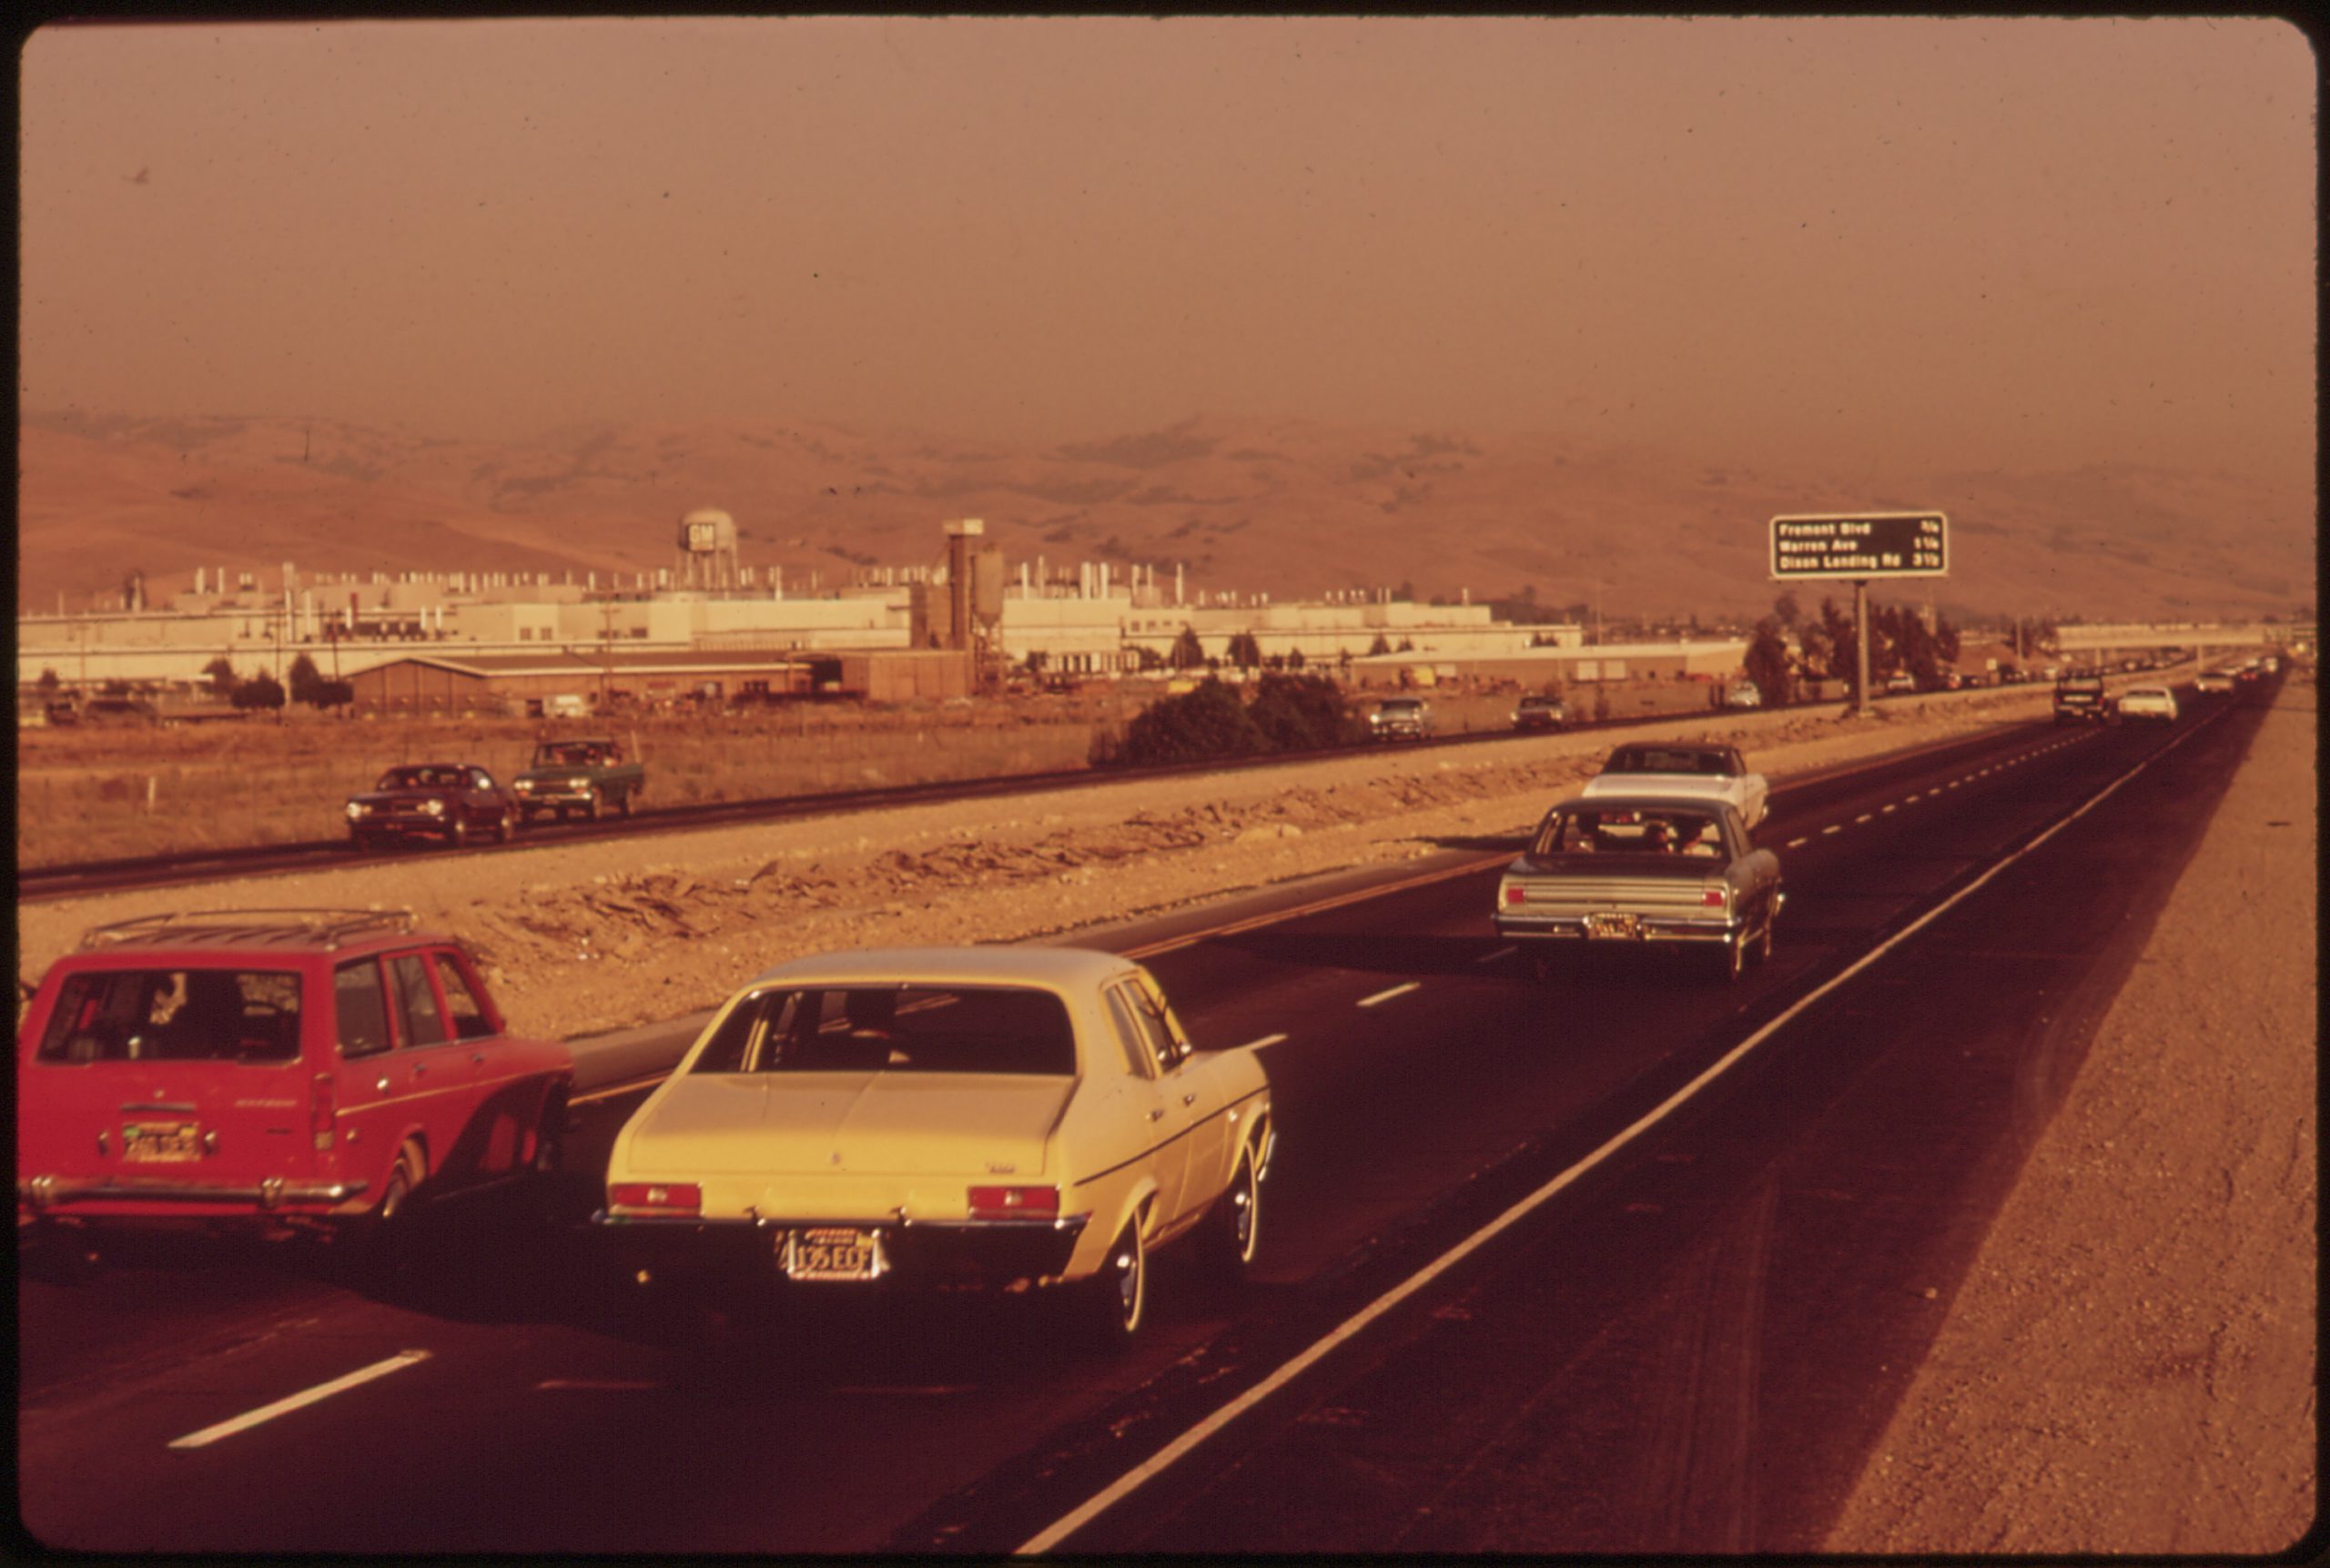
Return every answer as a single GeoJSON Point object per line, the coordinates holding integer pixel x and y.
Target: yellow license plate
{"type": "Point", "coordinates": [1613, 925]}
{"type": "Point", "coordinates": [161, 1143]}
{"type": "Point", "coordinates": [828, 1252]}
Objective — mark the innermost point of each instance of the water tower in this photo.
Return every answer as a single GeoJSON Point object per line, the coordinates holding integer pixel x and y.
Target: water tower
{"type": "Point", "coordinates": [708, 551]}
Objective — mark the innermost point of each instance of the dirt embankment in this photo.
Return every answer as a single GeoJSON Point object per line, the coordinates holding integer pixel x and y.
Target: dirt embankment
{"type": "Point", "coordinates": [2130, 1367]}
{"type": "Point", "coordinates": [578, 941]}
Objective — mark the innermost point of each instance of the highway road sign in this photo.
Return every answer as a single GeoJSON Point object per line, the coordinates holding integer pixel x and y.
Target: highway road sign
{"type": "Point", "coordinates": [1861, 544]}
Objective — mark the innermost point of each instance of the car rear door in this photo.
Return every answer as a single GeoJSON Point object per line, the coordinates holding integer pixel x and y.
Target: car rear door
{"type": "Point", "coordinates": [1168, 1121]}
{"type": "Point", "coordinates": [425, 1083]}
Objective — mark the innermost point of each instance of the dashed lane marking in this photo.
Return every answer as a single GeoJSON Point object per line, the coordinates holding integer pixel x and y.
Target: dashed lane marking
{"type": "Point", "coordinates": [1794, 842]}
{"type": "Point", "coordinates": [250, 1418]}
{"type": "Point", "coordinates": [1892, 808]}
{"type": "Point", "coordinates": [1164, 1458]}
{"type": "Point", "coordinates": [1381, 996]}
{"type": "Point", "coordinates": [1833, 827]}
{"type": "Point", "coordinates": [1258, 1044]}
{"type": "Point", "coordinates": [1864, 816]}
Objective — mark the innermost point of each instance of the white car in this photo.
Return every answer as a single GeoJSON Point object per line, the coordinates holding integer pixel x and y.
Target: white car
{"type": "Point", "coordinates": [2148, 702]}
{"type": "Point", "coordinates": [1683, 771]}
{"type": "Point", "coordinates": [1026, 1118]}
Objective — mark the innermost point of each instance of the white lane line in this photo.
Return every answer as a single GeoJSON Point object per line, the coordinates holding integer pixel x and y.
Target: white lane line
{"type": "Point", "coordinates": [1500, 953]}
{"type": "Point", "coordinates": [1381, 996]}
{"type": "Point", "coordinates": [1892, 808]}
{"type": "Point", "coordinates": [1864, 816]}
{"type": "Point", "coordinates": [1917, 797]}
{"type": "Point", "coordinates": [244, 1422]}
{"type": "Point", "coordinates": [1164, 1458]}
{"type": "Point", "coordinates": [1834, 827]}
{"type": "Point", "coordinates": [1258, 1044]}
{"type": "Point", "coordinates": [1794, 842]}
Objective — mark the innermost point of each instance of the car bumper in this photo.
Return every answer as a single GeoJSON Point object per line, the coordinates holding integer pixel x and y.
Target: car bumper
{"type": "Point", "coordinates": [40, 1195]}
{"type": "Point", "coordinates": [1647, 928]}
{"type": "Point", "coordinates": [933, 1252]}
{"type": "Point", "coordinates": [535, 797]}
{"type": "Point", "coordinates": [401, 826]}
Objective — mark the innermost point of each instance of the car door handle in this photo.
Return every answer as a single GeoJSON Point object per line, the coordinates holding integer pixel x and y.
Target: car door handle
{"type": "Point", "coordinates": [477, 1059]}
{"type": "Point", "coordinates": [1190, 1099]}
{"type": "Point", "coordinates": [419, 1069]}
{"type": "Point", "coordinates": [1158, 1114]}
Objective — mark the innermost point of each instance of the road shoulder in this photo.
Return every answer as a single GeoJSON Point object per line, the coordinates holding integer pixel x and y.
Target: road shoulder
{"type": "Point", "coordinates": [2130, 1366]}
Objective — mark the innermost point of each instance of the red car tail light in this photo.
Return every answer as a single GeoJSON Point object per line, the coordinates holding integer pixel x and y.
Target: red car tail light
{"type": "Point", "coordinates": [655, 1197]}
{"type": "Point", "coordinates": [322, 1107]}
{"type": "Point", "coordinates": [1515, 894]}
{"type": "Point", "coordinates": [1713, 897]}
{"type": "Point", "coordinates": [1015, 1202]}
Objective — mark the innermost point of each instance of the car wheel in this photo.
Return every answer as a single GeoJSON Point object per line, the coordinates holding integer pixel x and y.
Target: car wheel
{"type": "Point", "coordinates": [379, 1242]}
{"type": "Point", "coordinates": [457, 831]}
{"type": "Point", "coordinates": [1763, 943]}
{"type": "Point", "coordinates": [623, 802]}
{"type": "Point", "coordinates": [1234, 1230]}
{"type": "Point", "coordinates": [1731, 959]}
{"type": "Point", "coordinates": [1116, 1301]}
{"type": "Point", "coordinates": [505, 826]}
{"type": "Point", "coordinates": [590, 806]}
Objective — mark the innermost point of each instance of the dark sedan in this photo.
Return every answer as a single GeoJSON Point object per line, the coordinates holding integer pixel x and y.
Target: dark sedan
{"type": "Point", "coordinates": [448, 801]}
{"type": "Point", "coordinates": [1541, 713]}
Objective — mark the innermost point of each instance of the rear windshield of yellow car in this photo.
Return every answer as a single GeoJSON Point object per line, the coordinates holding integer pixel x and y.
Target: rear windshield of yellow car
{"type": "Point", "coordinates": [174, 1014]}
{"type": "Point", "coordinates": [894, 1028]}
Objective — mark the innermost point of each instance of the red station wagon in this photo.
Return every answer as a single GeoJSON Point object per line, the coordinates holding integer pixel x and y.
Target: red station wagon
{"type": "Point", "coordinates": [308, 1068]}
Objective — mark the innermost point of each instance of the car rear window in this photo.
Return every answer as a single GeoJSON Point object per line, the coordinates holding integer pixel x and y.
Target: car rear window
{"type": "Point", "coordinates": [1663, 760]}
{"type": "Point", "coordinates": [894, 1028]}
{"type": "Point", "coordinates": [1567, 833]}
{"type": "Point", "coordinates": [174, 1014]}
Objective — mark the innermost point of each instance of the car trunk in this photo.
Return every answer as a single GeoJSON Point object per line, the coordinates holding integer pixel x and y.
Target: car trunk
{"type": "Point", "coordinates": [218, 1124]}
{"type": "Point", "coordinates": [1644, 882]}
{"type": "Point", "coordinates": [888, 1123]}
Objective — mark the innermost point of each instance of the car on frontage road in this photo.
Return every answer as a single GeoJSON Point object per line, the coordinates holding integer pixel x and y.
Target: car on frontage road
{"type": "Point", "coordinates": [1401, 718]}
{"type": "Point", "coordinates": [450, 801]}
{"type": "Point", "coordinates": [1538, 711]}
{"type": "Point", "coordinates": [1023, 1119]}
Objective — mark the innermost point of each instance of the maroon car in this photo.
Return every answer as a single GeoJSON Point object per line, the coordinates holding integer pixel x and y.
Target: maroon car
{"type": "Point", "coordinates": [450, 800]}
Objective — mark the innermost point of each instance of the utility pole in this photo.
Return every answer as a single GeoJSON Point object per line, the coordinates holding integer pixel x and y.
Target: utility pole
{"type": "Point", "coordinates": [606, 650]}
{"type": "Point", "coordinates": [1861, 637]}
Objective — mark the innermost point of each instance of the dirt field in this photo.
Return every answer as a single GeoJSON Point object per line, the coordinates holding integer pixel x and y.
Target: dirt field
{"type": "Point", "coordinates": [106, 791]}
{"type": "Point", "coordinates": [2130, 1367]}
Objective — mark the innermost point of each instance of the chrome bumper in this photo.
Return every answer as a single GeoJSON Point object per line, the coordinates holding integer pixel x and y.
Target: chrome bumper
{"type": "Point", "coordinates": [1650, 928]}
{"type": "Point", "coordinates": [44, 1193]}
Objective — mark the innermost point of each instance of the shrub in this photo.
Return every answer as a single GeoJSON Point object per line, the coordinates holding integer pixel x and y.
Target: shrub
{"type": "Point", "coordinates": [1210, 722]}
{"type": "Point", "coordinates": [1304, 713]}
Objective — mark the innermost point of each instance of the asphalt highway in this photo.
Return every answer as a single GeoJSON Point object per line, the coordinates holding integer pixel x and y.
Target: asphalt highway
{"type": "Point", "coordinates": [1729, 1218]}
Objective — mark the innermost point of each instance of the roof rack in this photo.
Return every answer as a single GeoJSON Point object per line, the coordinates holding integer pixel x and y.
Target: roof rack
{"type": "Point", "coordinates": [282, 928]}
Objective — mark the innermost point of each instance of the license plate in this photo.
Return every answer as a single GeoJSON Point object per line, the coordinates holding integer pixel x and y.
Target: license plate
{"type": "Point", "coordinates": [1612, 925]}
{"type": "Point", "coordinates": [161, 1143]}
{"type": "Point", "coordinates": [829, 1252]}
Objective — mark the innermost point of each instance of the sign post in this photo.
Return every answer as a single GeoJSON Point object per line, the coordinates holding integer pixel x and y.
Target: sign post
{"type": "Point", "coordinates": [1859, 546]}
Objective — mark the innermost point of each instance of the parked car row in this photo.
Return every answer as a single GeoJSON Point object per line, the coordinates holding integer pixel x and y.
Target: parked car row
{"type": "Point", "coordinates": [454, 802]}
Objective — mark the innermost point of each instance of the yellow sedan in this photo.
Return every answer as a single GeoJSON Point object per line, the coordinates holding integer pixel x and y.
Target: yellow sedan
{"type": "Point", "coordinates": [1008, 1116]}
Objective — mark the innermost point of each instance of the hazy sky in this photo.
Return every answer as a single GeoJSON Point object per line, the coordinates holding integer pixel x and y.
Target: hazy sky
{"type": "Point", "coordinates": [1966, 243]}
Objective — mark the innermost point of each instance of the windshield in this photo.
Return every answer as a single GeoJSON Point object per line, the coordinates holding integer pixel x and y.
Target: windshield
{"type": "Point", "coordinates": [421, 778]}
{"type": "Point", "coordinates": [894, 1028]}
{"type": "Point", "coordinates": [1584, 832]}
{"type": "Point", "coordinates": [181, 1015]}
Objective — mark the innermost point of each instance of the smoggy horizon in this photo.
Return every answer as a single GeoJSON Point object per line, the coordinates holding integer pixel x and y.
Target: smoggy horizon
{"type": "Point", "coordinates": [1919, 245]}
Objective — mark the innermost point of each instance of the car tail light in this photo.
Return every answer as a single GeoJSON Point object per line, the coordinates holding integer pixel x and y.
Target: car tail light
{"type": "Point", "coordinates": [1713, 897]}
{"type": "Point", "coordinates": [655, 1197]}
{"type": "Point", "coordinates": [1015, 1202]}
{"type": "Point", "coordinates": [1515, 894]}
{"type": "Point", "coordinates": [322, 1109]}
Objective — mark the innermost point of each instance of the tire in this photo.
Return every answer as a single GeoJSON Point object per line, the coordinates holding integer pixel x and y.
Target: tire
{"type": "Point", "coordinates": [1763, 943]}
{"type": "Point", "coordinates": [505, 826]}
{"type": "Point", "coordinates": [1731, 959]}
{"type": "Point", "coordinates": [379, 1242]}
{"type": "Point", "coordinates": [457, 832]}
{"type": "Point", "coordinates": [1232, 1233]}
{"type": "Point", "coordinates": [549, 1138]}
{"type": "Point", "coordinates": [1115, 1302]}
{"type": "Point", "coordinates": [591, 807]}
{"type": "Point", "coordinates": [623, 802]}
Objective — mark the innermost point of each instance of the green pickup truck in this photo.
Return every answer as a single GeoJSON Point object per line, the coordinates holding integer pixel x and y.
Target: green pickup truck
{"type": "Point", "coordinates": [586, 776]}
